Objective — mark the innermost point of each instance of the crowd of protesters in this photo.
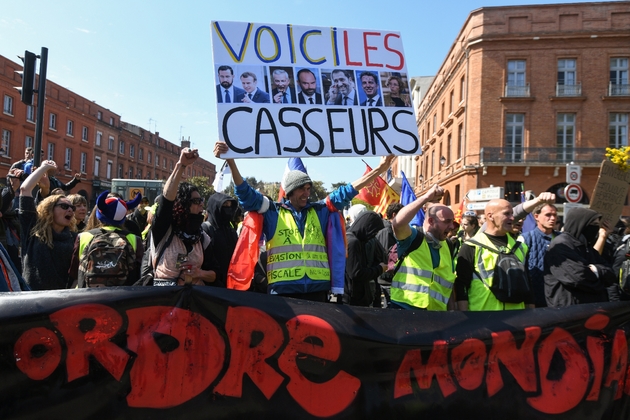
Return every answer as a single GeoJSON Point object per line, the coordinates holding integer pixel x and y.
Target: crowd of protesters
{"type": "Point", "coordinates": [306, 249]}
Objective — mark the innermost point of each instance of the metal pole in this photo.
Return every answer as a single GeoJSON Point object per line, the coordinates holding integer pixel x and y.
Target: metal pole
{"type": "Point", "coordinates": [41, 99]}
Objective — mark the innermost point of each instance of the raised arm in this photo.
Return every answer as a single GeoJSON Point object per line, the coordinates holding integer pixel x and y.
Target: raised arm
{"type": "Point", "coordinates": [400, 224]}
{"type": "Point", "coordinates": [386, 162]}
{"type": "Point", "coordinates": [186, 157]}
{"type": "Point", "coordinates": [220, 148]}
{"type": "Point", "coordinates": [26, 189]}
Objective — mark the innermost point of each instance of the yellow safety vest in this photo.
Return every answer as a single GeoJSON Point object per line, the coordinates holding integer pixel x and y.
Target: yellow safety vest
{"type": "Point", "coordinates": [291, 256]}
{"type": "Point", "coordinates": [480, 297]}
{"type": "Point", "coordinates": [418, 284]}
{"type": "Point", "coordinates": [85, 238]}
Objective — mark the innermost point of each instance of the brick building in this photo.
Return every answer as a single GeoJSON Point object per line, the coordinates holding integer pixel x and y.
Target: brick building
{"type": "Point", "coordinates": [525, 90]}
{"type": "Point", "coordinates": [84, 137]}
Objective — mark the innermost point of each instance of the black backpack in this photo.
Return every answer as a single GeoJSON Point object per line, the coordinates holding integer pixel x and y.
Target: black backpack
{"type": "Point", "coordinates": [108, 260]}
{"type": "Point", "coordinates": [509, 282]}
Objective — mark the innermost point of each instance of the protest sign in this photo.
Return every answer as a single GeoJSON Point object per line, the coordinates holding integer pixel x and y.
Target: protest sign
{"type": "Point", "coordinates": [611, 191]}
{"type": "Point", "coordinates": [289, 91]}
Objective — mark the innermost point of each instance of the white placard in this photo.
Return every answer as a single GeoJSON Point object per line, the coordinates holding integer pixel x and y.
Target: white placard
{"type": "Point", "coordinates": [266, 76]}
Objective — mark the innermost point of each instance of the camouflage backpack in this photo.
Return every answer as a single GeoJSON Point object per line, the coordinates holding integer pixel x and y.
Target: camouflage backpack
{"type": "Point", "coordinates": [108, 259]}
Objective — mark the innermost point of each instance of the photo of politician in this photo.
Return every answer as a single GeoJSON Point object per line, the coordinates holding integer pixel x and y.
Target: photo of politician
{"type": "Point", "coordinates": [309, 86]}
{"type": "Point", "coordinates": [342, 90]}
{"type": "Point", "coordinates": [242, 84]}
{"type": "Point", "coordinates": [369, 92]}
{"type": "Point", "coordinates": [395, 89]}
{"type": "Point", "coordinates": [283, 87]}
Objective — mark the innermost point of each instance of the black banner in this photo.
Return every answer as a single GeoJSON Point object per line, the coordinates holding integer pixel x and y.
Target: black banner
{"type": "Point", "coordinates": [205, 353]}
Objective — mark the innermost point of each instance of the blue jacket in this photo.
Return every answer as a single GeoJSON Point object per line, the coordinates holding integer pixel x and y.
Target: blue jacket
{"type": "Point", "coordinates": [252, 200]}
{"type": "Point", "coordinates": [537, 242]}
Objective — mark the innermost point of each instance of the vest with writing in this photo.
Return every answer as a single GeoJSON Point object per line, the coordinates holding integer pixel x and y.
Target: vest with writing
{"type": "Point", "coordinates": [418, 284]}
{"type": "Point", "coordinates": [290, 256]}
{"type": "Point", "coordinates": [480, 298]}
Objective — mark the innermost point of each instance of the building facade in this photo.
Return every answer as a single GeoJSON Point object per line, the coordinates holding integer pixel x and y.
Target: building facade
{"type": "Point", "coordinates": [524, 91]}
{"type": "Point", "coordinates": [84, 137]}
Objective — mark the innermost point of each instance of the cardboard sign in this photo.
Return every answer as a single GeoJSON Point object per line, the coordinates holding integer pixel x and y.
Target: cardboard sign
{"type": "Point", "coordinates": [610, 192]}
{"type": "Point", "coordinates": [287, 91]}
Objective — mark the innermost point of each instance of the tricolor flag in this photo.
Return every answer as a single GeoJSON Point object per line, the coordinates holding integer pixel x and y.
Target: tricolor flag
{"type": "Point", "coordinates": [377, 193]}
{"type": "Point", "coordinates": [407, 196]}
{"type": "Point", "coordinates": [218, 180]}
{"type": "Point", "coordinates": [293, 164]}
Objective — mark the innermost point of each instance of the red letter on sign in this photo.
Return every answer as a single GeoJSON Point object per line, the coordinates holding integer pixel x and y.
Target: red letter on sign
{"type": "Point", "coordinates": [520, 362]}
{"type": "Point", "coordinates": [241, 323]}
{"type": "Point", "coordinates": [559, 395]}
{"type": "Point", "coordinates": [368, 48]}
{"type": "Point", "coordinates": [346, 47]}
{"type": "Point", "coordinates": [45, 344]}
{"type": "Point", "coordinates": [179, 353]}
{"type": "Point", "coordinates": [318, 399]}
{"type": "Point", "coordinates": [398, 53]}
{"type": "Point", "coordinates": [436, 366]}
{"type": "Point", "coordinates": [87, 330]}
{"type": "Point", "coordinates": [468, 361]}
{"type": "Point", "coordinates": [618, 363]}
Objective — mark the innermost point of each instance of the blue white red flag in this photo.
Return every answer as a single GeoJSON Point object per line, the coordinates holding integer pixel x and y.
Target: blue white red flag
{"type": "Point", "coordinates": [407, 196]}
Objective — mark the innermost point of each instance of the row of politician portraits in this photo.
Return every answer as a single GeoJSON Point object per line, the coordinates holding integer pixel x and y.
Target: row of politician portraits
{"type": "Point", "coordinates": [311, 86]}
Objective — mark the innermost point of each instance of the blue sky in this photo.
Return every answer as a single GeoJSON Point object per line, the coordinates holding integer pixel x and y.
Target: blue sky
{"type": "Point", "coordinates": [151, 62]}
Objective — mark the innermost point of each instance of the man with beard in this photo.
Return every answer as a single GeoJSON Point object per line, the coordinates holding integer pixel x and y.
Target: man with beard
{"type": "Point", "coordinates": [424, 278]}
{"type": "Point", "coordinates": [221, 211]}
{"type": "Point", "coordinates": [369, 84]}
{"type": "Point", "coordinates": [359, 271]}
{"type": "Point", "coordinates": [476, 261]}
{"type": "Point", "coordinates": [302, 236]}
{"type": "Point", "coordinates": [308, 84]}
{"type": "Point", "coordinates": [574, 271]}
{"type": "Point", "coordinates": [282, 92]}
{"type": "Point", "coordinates": [186, 256]}
{"type": "Point", "coordinates": [226, 92]}
{"type": "Point", "coordinates": [342, 91]}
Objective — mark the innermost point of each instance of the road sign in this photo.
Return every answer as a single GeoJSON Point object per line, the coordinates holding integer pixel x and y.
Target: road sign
{"type": "Point", "coordinates": [573, 193]}
{"type": "Point", "coordinates": [574, 174]}
{"type": "Point", "coordinates": [485, 194]}
{"type": "Point", "coordinates": [476, 206]}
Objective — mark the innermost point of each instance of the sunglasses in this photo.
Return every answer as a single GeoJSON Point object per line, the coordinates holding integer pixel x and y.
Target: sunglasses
{"type": "Point", "coordinates": [66, 206]}
{"type": "Point", "coordinates": [470, 213]}
{"type": "Point", "coordinates": [196, 201]}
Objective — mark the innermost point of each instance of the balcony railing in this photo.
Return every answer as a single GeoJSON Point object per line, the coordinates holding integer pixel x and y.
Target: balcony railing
{"type": "Point", "coordinates": [618, 89]}
{"type": "Point", "coordinates": [544, 155]}
{"type": "Point", "coordinates": [517, 91]}
{"type": "Point", "coordinates": [568, 90]}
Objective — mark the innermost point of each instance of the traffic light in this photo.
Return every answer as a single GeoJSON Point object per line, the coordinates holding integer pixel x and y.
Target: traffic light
{"type": "Point", "coordinates": [28, 77]}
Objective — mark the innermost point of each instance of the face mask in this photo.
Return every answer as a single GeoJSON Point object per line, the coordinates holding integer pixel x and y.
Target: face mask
{"type": "Point", "coordinates": [591, 232]}
{"type": "Point", "coordinates": [193, 224]}
{"type": "Point", "coordinates": [228, 212]}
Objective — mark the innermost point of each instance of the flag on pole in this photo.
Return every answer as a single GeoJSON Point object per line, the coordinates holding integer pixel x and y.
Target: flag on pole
{"type": "Point", "coordinates": [377, 193]}
{"type": "Point", "coordinates": [460, 212]}
{"type": "Point", "coordinates": [218, 180]}
{"type": "Point", "coordinates": [407, 196]}
{"type": "Point", "coordinates": [293, 164]}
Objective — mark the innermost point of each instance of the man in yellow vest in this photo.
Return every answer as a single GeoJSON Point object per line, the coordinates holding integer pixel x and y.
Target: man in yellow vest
{"type": "Point", "coordinates": [475, 264]}
{"type": "Point", "coordinates": [425, 277]}
{"type": "Point", "coordinates": [296, 229]}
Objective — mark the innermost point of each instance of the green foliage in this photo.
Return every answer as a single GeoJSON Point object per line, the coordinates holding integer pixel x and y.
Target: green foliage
{"type": "Point", "coordinates": [203, 184]}
{"type": "Point", "coordinates": [338, 184]}
{"type": "Point", "coordinates": [318, 192]}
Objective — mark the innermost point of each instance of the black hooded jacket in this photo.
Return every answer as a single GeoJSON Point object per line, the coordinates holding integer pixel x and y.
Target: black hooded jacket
{"type": "Point", "coordinates": [222, 234]}
{"type": "Point", "coordinates": [361, 267]}
{"type": "Point", "coordinates": [568, 278]}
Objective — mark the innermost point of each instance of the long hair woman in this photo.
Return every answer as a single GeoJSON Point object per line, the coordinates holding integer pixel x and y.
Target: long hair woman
{"type": "Point", "coordinates": [48, 232]}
